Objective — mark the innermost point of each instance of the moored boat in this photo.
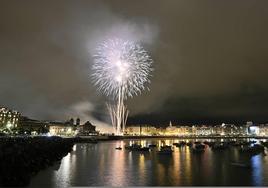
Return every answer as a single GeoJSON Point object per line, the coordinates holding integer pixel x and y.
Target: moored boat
{"type": "Point", "coordinates": [165, 150]}
{"type": "Point", "coordinates": [136, 147]}
{"type": "Point", "coordinates": [133, 147]}
{"type": "Point", "coordinates": [196, 148]}
{"type": "Point", "coordinates": [253, 150]}
{"type": "Point", "coordinates": [144, 149]}
{"type": "Point", "coordinates": [190, 144]}
{"type": "Point", "coordinates": [177, 144]}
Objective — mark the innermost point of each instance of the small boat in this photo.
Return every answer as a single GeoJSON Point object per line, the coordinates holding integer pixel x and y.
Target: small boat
{"type": "Point", "coordinates": [152, 145]}
{"type": "Point", "coordinates": [258, 147]}
{"type": "Point", "coordinates": [143, 149]}
{"type": "Point", "coordinates": [165, 150]}
{"type": "Point", "coordinates": [211, 144]}
{"type": "Point", "coordinates": [136, 147]}
{"type": "Point", "coordinates": [118, 148]}
{"type": "Point", "coordinates": [197, 148]}
{"type": "Point", "coordinates": [177, 144]}
{"type": "Point", "coordinates": [190, 144]}
{"type": "Point", "coordinates": [255, 149]}
{"type": "Point", "coordinates": [133, 147]}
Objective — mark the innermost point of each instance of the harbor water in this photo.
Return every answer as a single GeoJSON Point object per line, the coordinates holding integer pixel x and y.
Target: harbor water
{"type": "Point", "coordinates": [102, 165]}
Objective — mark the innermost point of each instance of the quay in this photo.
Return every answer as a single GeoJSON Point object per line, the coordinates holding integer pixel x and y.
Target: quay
{"type": "Point", "coordinates": [112, 137]}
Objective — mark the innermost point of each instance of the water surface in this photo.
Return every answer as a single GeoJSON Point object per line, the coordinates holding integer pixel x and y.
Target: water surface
{"type": "Point", "coordinates": [101, 165]}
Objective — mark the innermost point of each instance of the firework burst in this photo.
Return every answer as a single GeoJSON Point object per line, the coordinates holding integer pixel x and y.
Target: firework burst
{"type": "Point", "coordinates": [121, 69]}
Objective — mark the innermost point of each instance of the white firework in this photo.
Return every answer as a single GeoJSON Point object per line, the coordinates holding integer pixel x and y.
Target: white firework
{"type": "Point", "coordinates": [121, 64]}
{"type": "Point", "coordinates": [121, 69]}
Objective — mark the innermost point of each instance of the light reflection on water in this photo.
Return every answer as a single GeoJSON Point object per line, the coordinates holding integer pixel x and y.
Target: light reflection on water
{"type": "Point", "coordinates": [257, 170]}
{"type": "Point", "coordinates": [101, 165]}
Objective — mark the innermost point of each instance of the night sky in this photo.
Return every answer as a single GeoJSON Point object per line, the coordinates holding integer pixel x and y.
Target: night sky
{"type": "Point", "coordinates": [210, 58]}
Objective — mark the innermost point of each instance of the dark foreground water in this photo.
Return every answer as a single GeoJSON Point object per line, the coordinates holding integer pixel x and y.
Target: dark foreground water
{"type": "Point", "coordinates": [101, 165]}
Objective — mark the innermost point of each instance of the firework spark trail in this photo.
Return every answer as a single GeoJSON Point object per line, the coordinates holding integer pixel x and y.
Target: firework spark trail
{"type": "Point", "coordinates": [121, 69]}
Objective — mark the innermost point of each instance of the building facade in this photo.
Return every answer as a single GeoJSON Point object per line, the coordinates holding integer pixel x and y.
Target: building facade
{"type": "Point", "coordinates": [194, 130]}
{"type": "Point", "coordinates": [67, 128]}
{"type": "Point", "coordinates": [9, 118]}
{"type": "Point", "coordinates": [86, 129]}
{"type": "Point", "coordinates": [32, 126]}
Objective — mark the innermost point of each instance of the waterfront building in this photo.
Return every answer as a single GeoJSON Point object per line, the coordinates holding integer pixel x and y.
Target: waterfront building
{"type": "Point", "coordinates": [216, 130]}
{"type": "Point", "coordinates": [86, 129]}
{"type": "Point", "coordinates": [248, 124]}
{"type": "Point", "coordinates": [149, 130]}
{"type": "Point", "coordinates": [62, 128]}
{"type": "Point", "coordinates": [194, 130]}
{"type": "Point", "coordinates": [32, 126]}
{"type": "Point", "coordinates": [137, 130]}
{"type": "Point", "coordinates": [242, 130]}
{"type": "Point", "coordinates": [254, 130]}
{"type": "Point", "coordinates": [9, 118]}
{"type": "Point", "coordinates": [203, 130]}
{"type": "Point", "coordinates": [180, 130]}
{"type": "Point", "coordinates": [263, 130]}
{"type": "Point", "coordinates": [133, 130]}
{"type": "Point", "coordinates": [172, 130]}
{"type": "Point", "coordinates": [257, 130]}
{"type": "Point", "coordinates": [228, 129]}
